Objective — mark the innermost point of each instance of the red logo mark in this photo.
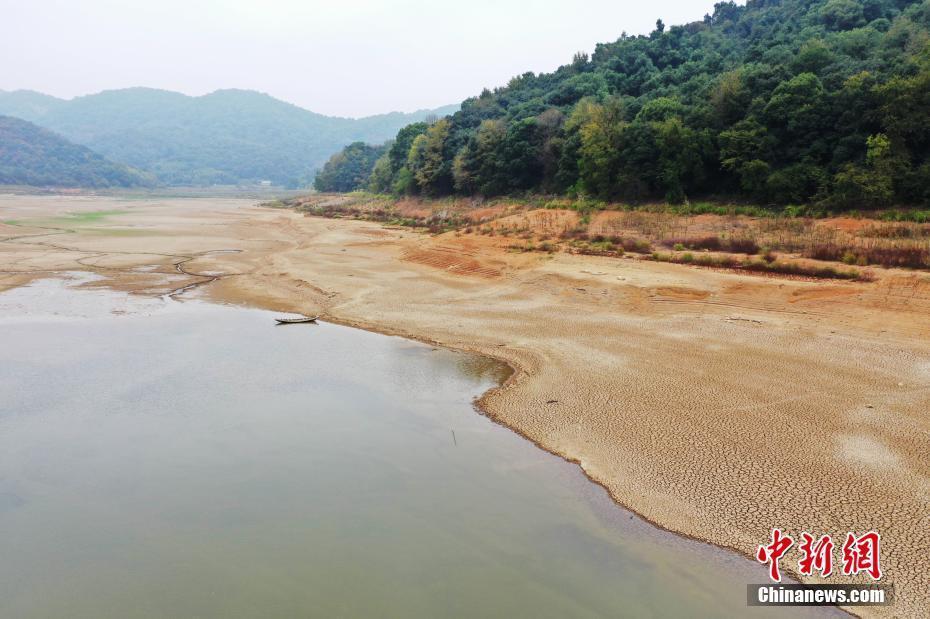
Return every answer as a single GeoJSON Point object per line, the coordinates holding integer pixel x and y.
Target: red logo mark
{"type": "Point", "coordinates": [860, 554]}
{"type": "Point", "coordinates": [816, 555]}
{"type": "Point", "coordinates": [772, 553]}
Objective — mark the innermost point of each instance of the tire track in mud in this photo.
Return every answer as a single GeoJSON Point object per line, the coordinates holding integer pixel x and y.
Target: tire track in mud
{"type": "Point", "coordinates": [451, 260]}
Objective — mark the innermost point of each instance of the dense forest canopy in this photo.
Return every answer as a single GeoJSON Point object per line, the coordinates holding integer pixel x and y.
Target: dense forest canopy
{"type": "Point", "coordinates": [30, 155]}
{"type": "Point", "coordinates": [777, 101]}
{"type": "Point", "coordinates": [225, 137]}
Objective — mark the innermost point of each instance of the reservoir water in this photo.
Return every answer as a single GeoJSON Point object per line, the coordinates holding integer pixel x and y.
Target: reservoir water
{"type": "Point", "coordinates": [168, 459]}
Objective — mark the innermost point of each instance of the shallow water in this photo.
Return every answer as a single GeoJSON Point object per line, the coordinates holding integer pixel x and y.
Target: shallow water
{"type": "Point", "coordinates": [165, 459]}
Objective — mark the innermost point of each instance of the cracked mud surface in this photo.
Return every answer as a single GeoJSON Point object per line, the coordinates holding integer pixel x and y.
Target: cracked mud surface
{"type": "Point", "coordinates": [717, 405]}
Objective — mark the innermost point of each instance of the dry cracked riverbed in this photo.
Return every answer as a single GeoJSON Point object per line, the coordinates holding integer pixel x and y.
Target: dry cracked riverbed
{"type": "Point", "coordinates": [717, 405]}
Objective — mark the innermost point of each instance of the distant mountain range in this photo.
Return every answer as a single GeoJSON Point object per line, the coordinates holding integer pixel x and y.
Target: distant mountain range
{"type": "Point", "coordinates": [228, 136]}
{"type": "Point", "coordinates": [30, 155]}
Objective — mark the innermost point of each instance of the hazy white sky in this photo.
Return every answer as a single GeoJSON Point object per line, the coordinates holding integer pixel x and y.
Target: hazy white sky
{"type": "Point", "coordinates": [337, 57]}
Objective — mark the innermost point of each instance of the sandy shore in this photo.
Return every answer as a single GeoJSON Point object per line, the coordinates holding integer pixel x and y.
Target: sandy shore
{"type": "Point", "coordinates": [715, 404]}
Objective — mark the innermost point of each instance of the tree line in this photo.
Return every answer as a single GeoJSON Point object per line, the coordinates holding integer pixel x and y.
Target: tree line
{"type": "Point", "coordinates": [775, 102]}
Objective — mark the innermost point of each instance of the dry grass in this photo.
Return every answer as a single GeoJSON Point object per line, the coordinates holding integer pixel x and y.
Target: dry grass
{"type": "Point", "coordinates": [760, 265]}
{"type": "Point", "coordinates": [778, 241]}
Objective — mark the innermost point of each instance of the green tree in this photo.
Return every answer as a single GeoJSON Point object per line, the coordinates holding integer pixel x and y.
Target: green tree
{"type": "Point", "coordinates": [796, 106]}
{"type": "Point", "coordinates": [869, 186]}
{"type": "Point", "coordinates": [660, 110]}
{"type": "Point", "coordinates": [478, 167]}
{"type": "Point", "coordinates": [521, 155]}
{"type": "Point", "coordinates": [601, 129]}
{"type": "Point", "coordinates": [730, 98]}
{"type": "Point", "coordinates": [400, 149]}
{"type": "Point", "coordinates": [404, 182]}
{"type": "Point", "coordinates": [843, 14]}
{"type": "Point", "coordinates": [429, 161]}
{"type": "Point", "coordinates": [905, 113]}
{"type": "Point", "coordinates": [381, 178]}
{"type": "Point", "coordinates": [796, 183]}
{"type": "Point", "coordinates": [681, 154]}
{"type": "Point", "coordinates": [813, 57]}
{"type": "Point", "coordinates": [744, 151]}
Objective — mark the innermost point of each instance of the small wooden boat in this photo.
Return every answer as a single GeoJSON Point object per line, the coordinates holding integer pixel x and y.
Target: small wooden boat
{"type": "Point", "coordinates": [296, 321]}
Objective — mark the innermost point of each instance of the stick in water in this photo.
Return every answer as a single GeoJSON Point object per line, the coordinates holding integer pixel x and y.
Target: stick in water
{"type": "Point", "coordinates": [455, 442]}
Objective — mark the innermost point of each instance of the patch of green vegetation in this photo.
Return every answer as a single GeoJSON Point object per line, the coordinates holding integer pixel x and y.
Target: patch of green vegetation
{"type": "Point", "coordinates": [916, 216]}
{"type": "Point", "coordinates": [80, 218]}
{"type": "Point", "coordinates": [90, 217]}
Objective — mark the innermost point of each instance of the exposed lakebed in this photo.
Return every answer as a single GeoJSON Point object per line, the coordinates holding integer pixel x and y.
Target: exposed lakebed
{"type": "Point", "coordinates": [167, 459]}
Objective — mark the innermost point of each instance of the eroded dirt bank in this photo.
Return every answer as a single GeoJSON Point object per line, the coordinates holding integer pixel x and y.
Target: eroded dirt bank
{"type": "Point", "coordinates": [716, 404]}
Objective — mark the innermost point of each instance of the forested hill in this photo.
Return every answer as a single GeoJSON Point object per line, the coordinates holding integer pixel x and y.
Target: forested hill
{"type": "Point", "coordinates": [27, 104]}
{"type": "Point", "coordinates": [30, 155]}
{"type": "Point", "coordinates": [778, 101]}
{"type": "Point", "coordinates": [228, 136]}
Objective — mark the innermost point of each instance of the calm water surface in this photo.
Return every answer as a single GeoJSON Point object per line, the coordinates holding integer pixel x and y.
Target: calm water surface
{"type": "Point", "coordinates": [165, 459]}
